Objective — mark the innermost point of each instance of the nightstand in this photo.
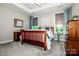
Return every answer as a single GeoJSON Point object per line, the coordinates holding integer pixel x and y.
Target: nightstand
{"type": "Point", "coordinates": [17, 36]}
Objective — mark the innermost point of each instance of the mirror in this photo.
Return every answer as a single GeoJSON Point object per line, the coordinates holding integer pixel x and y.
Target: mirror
{"type": "Point", "coordinates": [18, 23]}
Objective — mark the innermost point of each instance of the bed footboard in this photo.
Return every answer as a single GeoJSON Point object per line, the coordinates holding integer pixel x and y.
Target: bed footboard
{"type": "Point", "coordinates": [34, 37]}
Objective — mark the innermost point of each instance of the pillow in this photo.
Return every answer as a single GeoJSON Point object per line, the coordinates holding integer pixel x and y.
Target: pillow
{"type": "Point", "coordinates": [34, 27]}
{"type": "Point", "coordinates": [46, 28]}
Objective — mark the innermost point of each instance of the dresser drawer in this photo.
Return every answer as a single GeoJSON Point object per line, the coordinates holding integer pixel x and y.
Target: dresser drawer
{"type": "Point", "coordinates": [73, 44]}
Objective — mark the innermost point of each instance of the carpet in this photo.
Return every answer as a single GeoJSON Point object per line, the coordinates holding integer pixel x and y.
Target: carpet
{"type": "Point", "coordinates": [17, 49]}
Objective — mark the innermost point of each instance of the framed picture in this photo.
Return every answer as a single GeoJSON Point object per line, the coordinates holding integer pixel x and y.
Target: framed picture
{"type": "Point", "coordinates": [18, 23]}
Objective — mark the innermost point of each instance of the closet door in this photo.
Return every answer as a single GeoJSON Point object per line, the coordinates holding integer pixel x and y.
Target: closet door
{"type": "Point", "coordinates": [72, 30]}
{"type": "Point", "coordinates": [77, 32]}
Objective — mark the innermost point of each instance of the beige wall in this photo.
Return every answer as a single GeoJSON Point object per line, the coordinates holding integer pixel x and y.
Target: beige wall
{"type": "Point", "coordinates": [46, 19]}
{"type": "Point", "coordinates": [7, 15]}
{"type": "Point", "coordinates": [74, 10]}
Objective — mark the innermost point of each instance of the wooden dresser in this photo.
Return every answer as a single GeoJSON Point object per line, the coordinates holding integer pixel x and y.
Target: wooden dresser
{"type": "Point", "coordinates": [16, 36]}
{"type": "Point", "coordinates": [72, 44]}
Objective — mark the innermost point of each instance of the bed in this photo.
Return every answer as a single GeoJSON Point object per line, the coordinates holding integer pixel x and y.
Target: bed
{"type": "Point", "coordinates": [37, 37]}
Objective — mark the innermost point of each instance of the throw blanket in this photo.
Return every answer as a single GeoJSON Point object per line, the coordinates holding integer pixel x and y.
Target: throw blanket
{"type": "Point", "coordinates": [49, 37]}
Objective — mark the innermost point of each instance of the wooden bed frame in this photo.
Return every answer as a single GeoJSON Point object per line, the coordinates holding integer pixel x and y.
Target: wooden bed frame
{"type": "Point", "coordinates": [35, 37]}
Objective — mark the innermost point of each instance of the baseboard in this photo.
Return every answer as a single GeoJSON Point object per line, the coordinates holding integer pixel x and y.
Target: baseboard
{"type": "Point", "coordinates": [6, 41]}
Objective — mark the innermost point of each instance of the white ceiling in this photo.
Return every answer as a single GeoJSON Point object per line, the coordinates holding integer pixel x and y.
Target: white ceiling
{"type": "Point", "coordinates": [39, 7]}
{"type": "Point", "coordinates": [34, 6]}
